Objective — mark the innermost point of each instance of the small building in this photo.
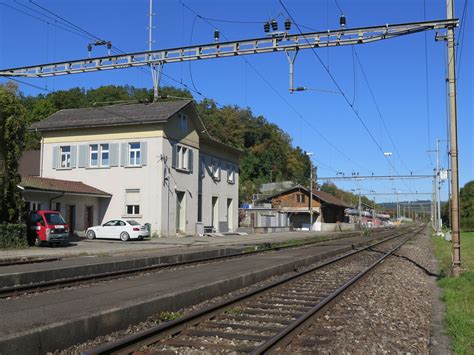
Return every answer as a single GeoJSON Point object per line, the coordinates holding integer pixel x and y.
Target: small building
{"type": "Point", "coordinates": [295, 201]}
{"type": "Point", "coordinates": [155, 163]}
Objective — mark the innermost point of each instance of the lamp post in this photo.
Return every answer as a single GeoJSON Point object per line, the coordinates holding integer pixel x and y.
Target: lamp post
{"type": "Point", "coordinates": [310, 191]}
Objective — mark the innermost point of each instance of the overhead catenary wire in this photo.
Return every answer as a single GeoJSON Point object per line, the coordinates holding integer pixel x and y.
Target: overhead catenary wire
{"type": "Point", "coordinates": [270, 85]}
{"type": "Point", "coordinates": [341, 91]}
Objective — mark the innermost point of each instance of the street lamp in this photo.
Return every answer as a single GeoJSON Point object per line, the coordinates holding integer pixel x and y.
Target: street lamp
{"type": "Point", "coordinates": [310, 191]}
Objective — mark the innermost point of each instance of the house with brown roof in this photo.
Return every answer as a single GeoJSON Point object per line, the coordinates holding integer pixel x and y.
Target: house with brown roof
{"type": "Point", "coordinates": [295, 202]}
{"type": "Point", "coordinates": [155, 163]}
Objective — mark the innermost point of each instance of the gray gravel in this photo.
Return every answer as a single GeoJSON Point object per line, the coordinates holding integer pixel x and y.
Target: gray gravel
{"type": "Point", "coordinates": [388, 312]}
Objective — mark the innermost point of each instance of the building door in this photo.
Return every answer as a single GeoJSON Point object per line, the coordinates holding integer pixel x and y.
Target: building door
{"type": "Point", "coordinates": [180, 211]}
{"type": "Point", "coordinates": [88, 217]}
{"type": "Point", "coordinates": [215, 213]}
{"type": "Point", "coordinates": [230, 214]}
{"type": "Point", "coordinates": [71, 217]}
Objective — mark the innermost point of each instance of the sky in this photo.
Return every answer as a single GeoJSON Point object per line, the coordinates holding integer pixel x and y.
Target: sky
{"type": "Point", "coordinates": [406, 75]}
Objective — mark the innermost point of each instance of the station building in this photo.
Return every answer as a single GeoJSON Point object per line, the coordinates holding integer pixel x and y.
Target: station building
{"type": "Point", "coordinates": [154, 163]}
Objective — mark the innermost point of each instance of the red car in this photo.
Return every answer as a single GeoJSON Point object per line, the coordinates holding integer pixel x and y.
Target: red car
{"type": "Point", "coordinates": [46, 226]}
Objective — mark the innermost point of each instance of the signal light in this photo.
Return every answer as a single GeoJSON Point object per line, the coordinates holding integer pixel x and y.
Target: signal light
{"type": "Point", "coordinates": [287, 24]}
{"type": "Point", "coordinates": [216, 35]}
{"type": "Point", "coordinates": [342, 21]}
{"type": "Point", "coordinates": [266, 27]}
{"type": "Point", "coordinates": [274, 24]}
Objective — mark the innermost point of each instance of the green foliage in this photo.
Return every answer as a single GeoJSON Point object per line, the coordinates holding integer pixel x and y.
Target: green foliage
{"type": "Point", "coordinates": [12, 236]}
{"type": "Point", "coordinates": [458, 293]}
{"type": "Point", "coordinates": [467, 206]}
{"type": "Point", "coordinates": [268, 153]}
{"type": "Point", "coordinates": [12, 140]}
{"type": "Point", "coordinates": [167, 316]}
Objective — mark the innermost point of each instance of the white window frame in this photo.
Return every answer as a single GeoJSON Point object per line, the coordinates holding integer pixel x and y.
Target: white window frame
{"type": "Point", "coordinates": [182, 157]}
{"type": "Point", "coordinates": [133, 204]}
{"type": "Point", "coordinates": [230, 175]}
{"type": "Point", "coordinates": [216, 170]}
{"type": "Point", "coordinates": [134, 154]}
{"type": "Point", "coordinates": [134, 208]}
{"type": "Point", "coordinates": [94, 149]}
{"type": "Point", "coordinates": [65, 157]}
{"type": "Point", "coordinates": [183, 122]}
{"type": "Point", "coordinates": [102, 151]}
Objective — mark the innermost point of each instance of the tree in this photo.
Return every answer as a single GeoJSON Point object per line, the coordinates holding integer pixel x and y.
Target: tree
{"type": "Point", "coordinates": [12, 140]}
{"type": "Point", "coordinates": [466, 196]}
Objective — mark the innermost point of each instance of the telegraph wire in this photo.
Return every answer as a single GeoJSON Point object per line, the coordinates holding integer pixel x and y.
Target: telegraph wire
{"type": "Point", "coordinates": [293, 108]}
{"type": "Point", "coordinates": [461, 38]}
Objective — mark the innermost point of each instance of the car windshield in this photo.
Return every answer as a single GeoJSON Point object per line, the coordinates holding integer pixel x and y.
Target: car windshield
{"type": "Point", "coordinates": [133, 223]}
{"type": "Point", "coordinates": [54, 218]}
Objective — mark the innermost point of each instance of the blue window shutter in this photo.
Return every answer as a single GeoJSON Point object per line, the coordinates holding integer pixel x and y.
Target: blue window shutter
{"type": "Point", "coordinates": [143, 152]}
{"type": "Point", "coordinates": [83, 156]}
{"type": "Point", "coordinates": [55, 157]}
{"type": "Point", "coordinates": [114, 154]}
{"type": "Point", "coordinates": [73, 156]}
{"type": "Point", "coordinates": [124, 154]}
{"type": "Point", "coordinates": [174, 155]}
{"type": "Point", "coordinates": [190, 160]}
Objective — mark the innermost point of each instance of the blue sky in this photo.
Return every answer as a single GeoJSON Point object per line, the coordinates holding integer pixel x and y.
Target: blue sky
{"type": "Point", "coordinates": [396, 70]}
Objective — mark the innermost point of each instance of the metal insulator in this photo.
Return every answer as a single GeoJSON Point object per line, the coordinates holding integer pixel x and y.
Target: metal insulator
{"type": "Point", "coordinates": [287, 24]}
{"type": "Point", "coordinates": [266, 27]}
{"type": "Point", "coordinates": [342, 21]}
{"type": "Point", "coordinates": [274, 24]}
{"type": "Point", "coordinates": [216, 35]}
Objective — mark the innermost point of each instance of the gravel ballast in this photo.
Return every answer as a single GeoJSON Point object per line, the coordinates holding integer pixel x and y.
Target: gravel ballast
{"type": "Point", "coordinates": [389, 311]}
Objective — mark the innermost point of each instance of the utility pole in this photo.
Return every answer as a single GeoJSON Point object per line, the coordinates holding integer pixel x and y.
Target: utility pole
{"type": "Point", "coordinates": [453, 133]}
{"type": "Point", "coordinates": [155, 74]}
{"type": "Point", "coordinates": [438, 176]}
{"type": "Point", "coordinates": [434, 213]}
{"type": "Point", "coordinates": [310, 191]}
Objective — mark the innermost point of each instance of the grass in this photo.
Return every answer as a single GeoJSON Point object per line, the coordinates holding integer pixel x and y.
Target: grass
{"type": "Point", "coordinates": [167, 316]}
{"type": "Point", "coordinates": [458, 293]}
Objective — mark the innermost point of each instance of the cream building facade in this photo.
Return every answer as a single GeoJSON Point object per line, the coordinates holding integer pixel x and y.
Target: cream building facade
{"type": "Point", "coordinates": [155, 163]}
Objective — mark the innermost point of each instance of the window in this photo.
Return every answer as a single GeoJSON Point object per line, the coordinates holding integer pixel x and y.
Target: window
{"type": "Point", "coordinates": [132, 202]}
{"type": "Point", "coordinates": [216, 170]}
{"type": "Point", "coordinates": [134, 154]}
{"type": "Point", "coordinates": [104, 155]}
{"type": "Point", "coordinates": [133, 209]}
{"type": "Point", "coordinates": [230, 174]}
{"type": "Point", "coordinates": [54, 218]}
{"type": "Point", "coordinates": [183, 123]}
{"type": "Point", "coordinates": [65, 161]}
{"type": "Point", "coordinates": [94, 155]}
{"type": "Point", "coordinates": [182, 157]}
{"type": "Point", "coordinates": [58, 207]}
{"type": "Point", "coordinates": [300, 198]}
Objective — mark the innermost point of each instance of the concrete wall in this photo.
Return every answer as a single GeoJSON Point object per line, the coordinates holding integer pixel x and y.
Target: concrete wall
{"type": "Point", "coordinates": [335, 227]}
{"type": "Point", "coordinates": [114, 180]}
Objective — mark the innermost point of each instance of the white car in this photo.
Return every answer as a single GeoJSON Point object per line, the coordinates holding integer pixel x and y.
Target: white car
{"type": "Point", "coordinates": [118, 229]}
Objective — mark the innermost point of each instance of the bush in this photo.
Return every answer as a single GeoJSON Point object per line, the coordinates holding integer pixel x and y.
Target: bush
{"type": "Point", "coordinates": [12, 236]}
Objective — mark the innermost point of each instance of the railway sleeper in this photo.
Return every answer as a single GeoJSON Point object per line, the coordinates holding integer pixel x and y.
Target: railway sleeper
{"type": "Point", "coordinates": [225, 335]}
{"type": "Point", "coordinates": [207, 344]}
{"type": "Point", "coordinates": [277, 306]}
{"type": "Point", "coordinates": [258, 319]}
{"type": "Point", "coordinates": [256, 328]}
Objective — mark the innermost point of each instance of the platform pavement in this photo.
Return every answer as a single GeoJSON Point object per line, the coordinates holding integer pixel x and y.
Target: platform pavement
{"type": "Point", "coordinates": [107, 247]}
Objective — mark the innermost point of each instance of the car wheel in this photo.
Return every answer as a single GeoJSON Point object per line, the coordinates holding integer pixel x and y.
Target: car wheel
{"type": "Point", "coordinates": [90, 234]}
{"type": "Point", "coordinates": [124, 236]}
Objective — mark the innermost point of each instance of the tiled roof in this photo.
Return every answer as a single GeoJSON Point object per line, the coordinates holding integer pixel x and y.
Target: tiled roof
{"type": "Point", "coordinates": [321, 195]}
{"type": "Point", "coordinates": [124, 114]}
{"type": "Point", "coordinates": [54, 185]}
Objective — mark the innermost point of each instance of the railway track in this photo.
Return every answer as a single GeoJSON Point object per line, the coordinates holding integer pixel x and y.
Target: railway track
{"type": "Point", "coordinates": [24, 289]}
{"type": "Point", "coordinates": [265, 319]}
